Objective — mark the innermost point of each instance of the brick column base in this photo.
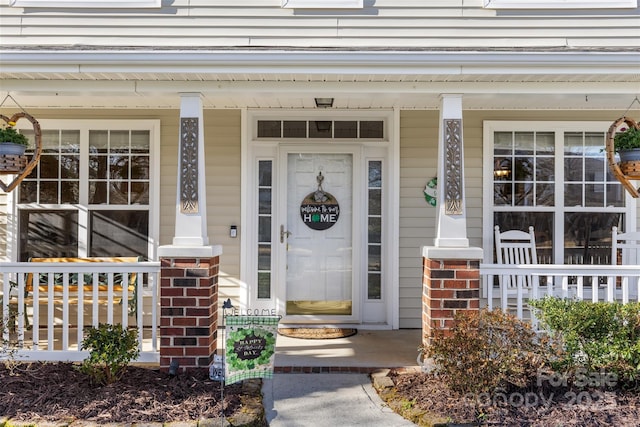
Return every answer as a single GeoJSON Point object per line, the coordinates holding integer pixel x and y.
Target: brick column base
{"type": "Point", "coordinates": [188, 312]}
{"type": "Point", "coordinates": [450, 286]}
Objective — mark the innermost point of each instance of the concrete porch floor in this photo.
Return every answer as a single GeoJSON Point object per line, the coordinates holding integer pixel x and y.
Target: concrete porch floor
{"type": "Point", "coordinates": [365, 349]}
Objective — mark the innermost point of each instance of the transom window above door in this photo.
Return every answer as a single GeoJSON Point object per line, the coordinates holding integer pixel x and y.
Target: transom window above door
{"type": "Point", "coordinates": [321, 129]}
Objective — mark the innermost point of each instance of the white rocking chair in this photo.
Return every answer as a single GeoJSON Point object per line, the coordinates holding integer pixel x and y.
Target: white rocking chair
{"type": "Point", "coordinates": [515, 247]}
{"type": "Point", "coordinates": [625, 250]}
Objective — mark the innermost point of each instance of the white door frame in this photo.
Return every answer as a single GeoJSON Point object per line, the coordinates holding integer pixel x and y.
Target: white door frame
{"type": "Point", "coordinates": [253, 150]}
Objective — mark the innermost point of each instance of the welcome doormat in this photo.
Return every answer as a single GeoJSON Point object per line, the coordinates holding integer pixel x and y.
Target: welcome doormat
{"type": "Point", "coordinates": [317, 333]}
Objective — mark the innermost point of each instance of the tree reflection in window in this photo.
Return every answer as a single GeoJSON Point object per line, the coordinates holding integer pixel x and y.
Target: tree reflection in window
{"type": "Point", "coordinates": [119, 167]}
{"type": "Point", "coordinates": [116, 174]}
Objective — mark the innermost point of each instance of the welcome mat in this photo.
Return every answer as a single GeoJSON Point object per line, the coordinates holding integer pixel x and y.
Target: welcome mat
{"type": "Point", "coordinates": [317, 333]}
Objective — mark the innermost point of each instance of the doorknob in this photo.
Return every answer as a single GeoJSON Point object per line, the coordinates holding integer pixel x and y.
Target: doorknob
{"type": "Point", "coordinates": [284, 234]}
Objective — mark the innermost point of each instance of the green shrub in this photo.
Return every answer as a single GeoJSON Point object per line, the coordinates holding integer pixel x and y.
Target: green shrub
{"type": "Point", "coordinates": [486, 350]}
{"type": "Point", "coordinates": [600, 336]}
{"type": "Point", "coordinates": [111, 348]}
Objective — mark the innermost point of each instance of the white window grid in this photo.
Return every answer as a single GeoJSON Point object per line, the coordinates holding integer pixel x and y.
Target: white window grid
{"type": "Point", "coordinates": [558, 209]}
{"type": "Point", "coordinates": [84, 127]}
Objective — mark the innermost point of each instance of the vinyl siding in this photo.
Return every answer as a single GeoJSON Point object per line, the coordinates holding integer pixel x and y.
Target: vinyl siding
{"type": "Point", "coordinates": [4, 209]}
{"type": "Point", "coordinates": [382, 24]}
{"type": "Point", "coordinates": [418, 164]}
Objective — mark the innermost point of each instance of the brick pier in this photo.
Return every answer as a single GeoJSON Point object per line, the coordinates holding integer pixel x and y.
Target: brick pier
{"type": "Point", "coordinates": [451, 284]}
{"type": "Point", "coordinates": [189, 311]}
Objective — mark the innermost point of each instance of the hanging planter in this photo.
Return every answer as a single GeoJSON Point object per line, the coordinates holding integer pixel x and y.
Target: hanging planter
{"type": "Point", "coordinates": [12, 150]}
{"type": "Point", "coordinates": [626, 143]}
{"type": "Point", "coordinates": [12, 147]}
{"type": "Point", "coordinates": [623, 138]}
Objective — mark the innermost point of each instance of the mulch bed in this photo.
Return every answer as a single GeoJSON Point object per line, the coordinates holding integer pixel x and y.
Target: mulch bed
{"type": "Point", "coordinates": [59, 392]}
{"type": "Point", "coordinates": [425, 394]}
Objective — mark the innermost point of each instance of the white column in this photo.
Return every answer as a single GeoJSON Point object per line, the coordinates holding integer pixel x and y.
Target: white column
{"type": "Point", "coordinates": [191, 202]}
{"type": "Point", "coordinates": [451, 226]}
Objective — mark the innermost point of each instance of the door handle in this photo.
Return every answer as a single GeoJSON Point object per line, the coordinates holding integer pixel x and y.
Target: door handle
{"type": "Point", "coordinates": [284, 234]}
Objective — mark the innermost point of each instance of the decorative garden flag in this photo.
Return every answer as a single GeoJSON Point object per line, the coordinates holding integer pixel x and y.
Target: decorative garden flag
{"type": "Point", "coordinates": [250, 347]}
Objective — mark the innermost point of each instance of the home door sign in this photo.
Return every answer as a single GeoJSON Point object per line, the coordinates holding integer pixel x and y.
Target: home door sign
{"type": "Point", "coordinates": [319, 210]}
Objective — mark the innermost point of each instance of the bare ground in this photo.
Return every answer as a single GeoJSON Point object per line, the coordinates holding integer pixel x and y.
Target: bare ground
{"type": "Point", "coordinates": [59, 392]}
{"type": "Point", "coordinates": [424, 398]}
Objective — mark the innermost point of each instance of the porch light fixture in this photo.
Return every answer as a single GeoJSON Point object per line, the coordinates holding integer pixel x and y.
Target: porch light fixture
{"type": "Point", "coordinates": [502, 169]}
{"type": "Point", "coordinates": [501, 173]}
{"type": "Point", "coordinates": [324, 102]}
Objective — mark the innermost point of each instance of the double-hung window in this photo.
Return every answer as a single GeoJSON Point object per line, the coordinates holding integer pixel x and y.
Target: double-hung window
{"type": "Point", "coordinates": [92, 192]}
{"type": "Point", "coordinates": [554, 176]}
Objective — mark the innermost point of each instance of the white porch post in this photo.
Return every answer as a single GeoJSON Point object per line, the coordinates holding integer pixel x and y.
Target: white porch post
{"type": "Point", "coordinates": [451, 269]}
{"type": "Point", "coordinates": [191, 204]}
{"type": "Point", "coordinates": [451, 226]}
{"type": "Point", "coordinates": [190, 266]}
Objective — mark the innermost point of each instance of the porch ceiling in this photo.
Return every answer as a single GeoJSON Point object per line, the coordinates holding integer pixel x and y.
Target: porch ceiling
{"type": "Point", "coordinates": [356, 80]}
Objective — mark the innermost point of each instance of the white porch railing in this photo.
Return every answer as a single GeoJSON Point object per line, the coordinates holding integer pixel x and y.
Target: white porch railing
{"type": "Point", "coordinates": [583, 282]}
{"type": "Point", "coordinates": [45, 306]}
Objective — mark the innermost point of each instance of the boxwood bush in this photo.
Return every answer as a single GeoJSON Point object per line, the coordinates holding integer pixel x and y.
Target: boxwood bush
{"type": "Point", "coordinates": [596, 336]}
{"type": "Point", "coordinates": [111, 348]}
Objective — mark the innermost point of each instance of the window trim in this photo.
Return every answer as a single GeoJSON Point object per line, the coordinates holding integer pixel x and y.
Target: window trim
{"type": "Point", "coordinates": [322, 4]}
{"type": "Point", "coordinates": [488, 208]}
{"type": "Point", "coordinates": [559, 4]}
{"type": "Point", "coordinates": [84, 126]}
{"type": "Point", "coordinates": [112, 4]}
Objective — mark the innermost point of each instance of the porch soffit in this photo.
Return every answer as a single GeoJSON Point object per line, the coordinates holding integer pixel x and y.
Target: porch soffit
{"type": "Point", "coordinates": [361, 80]}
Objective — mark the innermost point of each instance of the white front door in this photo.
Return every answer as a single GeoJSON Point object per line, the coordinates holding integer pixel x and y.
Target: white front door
{"type": "Point", "coordinates": [320, 229]}
{"type": "Point", "coordinates": [317, 237]}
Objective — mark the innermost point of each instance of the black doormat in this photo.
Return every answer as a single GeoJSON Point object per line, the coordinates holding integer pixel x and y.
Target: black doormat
{"type": "Point", "coordinates": [317, 333]}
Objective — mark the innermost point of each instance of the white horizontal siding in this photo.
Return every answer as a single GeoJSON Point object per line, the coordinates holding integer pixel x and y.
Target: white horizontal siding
{"type": "Point", "coordinates": [384, 23]}
{"type": "Point", "coordinates": [418, 164]}
{"type": "Point", "coordinates": [4, 212]}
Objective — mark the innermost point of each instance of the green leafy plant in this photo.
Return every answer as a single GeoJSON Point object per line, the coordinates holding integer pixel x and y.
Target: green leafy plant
{"type": "Point", "coordinates": [626, 139]}
{"type": "Point", "coordinates": [597, 336]}
{"type": "Point", "coordinates": [111, 348]}
{"type": "Point", "coordinates": [487, 350]}
{"type": "Point", "coordinates": [9, 134]}
{"type": "Point", "coordinates": [8, 352]}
